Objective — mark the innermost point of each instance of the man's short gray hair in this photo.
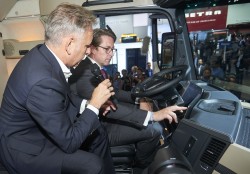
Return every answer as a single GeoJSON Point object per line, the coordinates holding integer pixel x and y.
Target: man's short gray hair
{"type": "Point", "coordinates": [67, 19]}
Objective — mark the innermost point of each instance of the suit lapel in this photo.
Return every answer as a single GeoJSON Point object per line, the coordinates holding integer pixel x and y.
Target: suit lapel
{"type": "Point", "coordinates": [58, 74]}
{"type": "Point", "coordinates": [57, 70]}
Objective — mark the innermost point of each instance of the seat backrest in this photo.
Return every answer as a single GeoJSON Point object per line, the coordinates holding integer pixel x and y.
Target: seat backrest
{"type": "Point", "coordinates": [3, 70]}
{"type": "Point", "coordinates": [123, 155]}
{"type": "Point", "coordinates": [3, 169]}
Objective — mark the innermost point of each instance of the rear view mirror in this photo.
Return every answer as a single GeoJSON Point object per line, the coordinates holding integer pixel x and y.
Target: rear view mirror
{"type": "Point", "coordinates": [167, 50]}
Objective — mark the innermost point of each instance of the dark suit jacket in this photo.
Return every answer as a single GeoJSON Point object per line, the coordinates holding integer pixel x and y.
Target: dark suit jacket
{"type": "Point", "coordinates": [83, 82]}
{"type": "Point", "coordinates": [38, 122]}
{"type": "Point", "coordinates": [149, 72]}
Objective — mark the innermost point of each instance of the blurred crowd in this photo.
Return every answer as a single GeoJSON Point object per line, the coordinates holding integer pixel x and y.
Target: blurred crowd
{"type": "Point", "coordinates": [226, 61]}
{"type": "Point", "coordinates": [223, 60]}
{"type": "Point", "coordinates": [127, 80]}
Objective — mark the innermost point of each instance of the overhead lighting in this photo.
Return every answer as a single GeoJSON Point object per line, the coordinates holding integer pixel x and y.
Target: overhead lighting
{"type": "Point", "coordinates": [22, 17]}
{"type": "Point", "coordinates": [103, 2]}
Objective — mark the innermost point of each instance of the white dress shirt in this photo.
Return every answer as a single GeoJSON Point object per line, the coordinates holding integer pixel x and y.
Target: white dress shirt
{"type": "Point", "coordinates": [67, 74]}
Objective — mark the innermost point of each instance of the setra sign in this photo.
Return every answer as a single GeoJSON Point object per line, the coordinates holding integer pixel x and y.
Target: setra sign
{"type": "Point", "coordinates": [210, 18]}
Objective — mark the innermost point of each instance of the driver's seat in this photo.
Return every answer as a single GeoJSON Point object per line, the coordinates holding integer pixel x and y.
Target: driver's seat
{"type": "Point", "coordinates": [123, 157]}
{"type": "Point", "coordinates": [3, 169]}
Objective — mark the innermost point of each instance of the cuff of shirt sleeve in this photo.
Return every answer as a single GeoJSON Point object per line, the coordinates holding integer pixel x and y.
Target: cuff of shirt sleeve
{"type": "Point", "coordinates": [85, 104]}
{"type": "Point", "coordinates": [94, 109]}
{"type": "Point", "coordinates": [148, 118]}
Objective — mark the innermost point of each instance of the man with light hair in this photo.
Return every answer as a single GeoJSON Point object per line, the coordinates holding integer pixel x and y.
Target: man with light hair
{"type": "Point", "coordinates": [44, 129]}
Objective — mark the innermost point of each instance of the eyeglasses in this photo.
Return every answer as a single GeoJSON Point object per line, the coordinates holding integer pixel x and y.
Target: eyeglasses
{"type": "Point", "coordinates": [108, 50]}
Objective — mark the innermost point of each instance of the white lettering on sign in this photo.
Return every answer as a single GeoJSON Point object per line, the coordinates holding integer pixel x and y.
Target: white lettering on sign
{"type": "Point", "coordinates": [202, 13]}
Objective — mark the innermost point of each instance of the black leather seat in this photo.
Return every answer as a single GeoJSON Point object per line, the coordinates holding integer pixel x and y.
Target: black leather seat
{"type": "Point", "coordinates": [2, 169]}
{"type": "Point", "coordinates": [123, 157]}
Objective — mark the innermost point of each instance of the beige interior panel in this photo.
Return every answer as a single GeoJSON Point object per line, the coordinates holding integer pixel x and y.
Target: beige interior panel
{"type": "Point", "coordinates": [46, 6]}
{"type": "Point", "coordinates": [24, 8]}
{"type": "Point", "coordinates": [3, 71]}
{"type": "Point", "coordinates": [12, 47]}
{"type": "Point", "coordinates": [5, 6]}
{"type": "Point", "coordinates": [237, 159]}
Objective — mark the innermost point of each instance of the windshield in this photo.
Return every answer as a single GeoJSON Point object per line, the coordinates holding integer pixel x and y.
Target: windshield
{"type": "Point", "coordinates": [220, 42]}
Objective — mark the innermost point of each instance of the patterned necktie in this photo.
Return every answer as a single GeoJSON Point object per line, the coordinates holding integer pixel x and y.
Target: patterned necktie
{"type": "Point", "coordinates": [104, 74]}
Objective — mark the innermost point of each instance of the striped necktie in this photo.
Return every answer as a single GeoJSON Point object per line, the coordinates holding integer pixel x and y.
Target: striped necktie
{"type": "Point", "coordinates": [104, 74]}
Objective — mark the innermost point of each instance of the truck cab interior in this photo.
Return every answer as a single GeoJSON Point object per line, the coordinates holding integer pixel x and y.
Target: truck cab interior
{"type": "Point", "coordinates": [212, 135]}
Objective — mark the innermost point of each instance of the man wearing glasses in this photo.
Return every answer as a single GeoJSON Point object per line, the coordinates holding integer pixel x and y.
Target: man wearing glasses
{"type": "Point", "coordinates": [127, 124]}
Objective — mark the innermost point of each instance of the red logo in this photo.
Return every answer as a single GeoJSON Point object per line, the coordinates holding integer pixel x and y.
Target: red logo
{"type": "Point", "coordinates": [210, 18]}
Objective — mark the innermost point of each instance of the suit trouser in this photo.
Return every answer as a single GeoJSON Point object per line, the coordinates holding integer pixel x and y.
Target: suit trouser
{"type": "Point", "coordinates": [93, 158]}
{"type": "Point", "coordinates": [145, 139]}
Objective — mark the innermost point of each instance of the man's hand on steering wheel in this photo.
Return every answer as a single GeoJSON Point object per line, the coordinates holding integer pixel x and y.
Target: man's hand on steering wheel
{"type": "Point", "coordinates": [159, 84]}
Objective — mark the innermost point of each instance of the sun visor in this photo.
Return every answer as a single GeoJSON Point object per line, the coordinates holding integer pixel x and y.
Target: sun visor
{"type": "Point", "coordinates": [5, 7]}
{"type": "Point", "coordinates": [169, 3]}
{"type": "Point", "coordinates": [47, 6]}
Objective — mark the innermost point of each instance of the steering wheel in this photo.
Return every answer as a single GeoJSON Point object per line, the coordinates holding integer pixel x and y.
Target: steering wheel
{"type": "Point", "coordinates": [158, 82]}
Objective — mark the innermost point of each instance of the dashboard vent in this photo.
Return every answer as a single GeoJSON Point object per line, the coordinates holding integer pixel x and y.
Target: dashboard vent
{"type": "Point", "coordinates": [213, 152]}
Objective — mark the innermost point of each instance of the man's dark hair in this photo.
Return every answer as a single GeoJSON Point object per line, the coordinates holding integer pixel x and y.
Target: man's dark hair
{"type": "Point", "coordinates": [98, 32]}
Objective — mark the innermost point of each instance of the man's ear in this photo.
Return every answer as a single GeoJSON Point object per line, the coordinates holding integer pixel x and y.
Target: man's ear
{"type": "Point", "coordinates": [93, 49]}
{"type": "Point", "coordinates": [68, 45]}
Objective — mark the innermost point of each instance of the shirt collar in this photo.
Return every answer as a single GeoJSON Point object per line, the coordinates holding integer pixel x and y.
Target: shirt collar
{"type": "Point", "coordinates": [93, 61]}
{"type": "Point", "coordinates": [65, 69]}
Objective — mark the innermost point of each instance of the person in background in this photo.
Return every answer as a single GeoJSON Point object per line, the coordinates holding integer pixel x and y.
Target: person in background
{"type": "Point", "coordinates": [232, 85]}
{"type": "Point", "coordinates": [207, 75]}
{"type": "Point", "coordinates": [116, 81]}
{"type": "Point", "coordinates": [195, 57]}
{"type": "Point", "coordinates": [126, 83]}
{"type": "Point", "coordinates": [134, 75]}
{"type": "Point", "coordinates": [134, 70]}
{"type": "Point", "coordinates": [239, 66]}
{"type": "Point", "coordinates": [149, 71]}
{"type": "Point", "coordinates": [200, 68]}
{"type": "Point", "coordinates": [141, 76]}
{"type": "Point", "coordinates": [44, 129]}
{"type": "Point", "coordinates": [138, 76]}
{"type": "Point", "coordinates": [242, 42]}
{"type": "Point", "coordinates": [217, 71]}
{"type": "Point", "coordinates": [127, 124]}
